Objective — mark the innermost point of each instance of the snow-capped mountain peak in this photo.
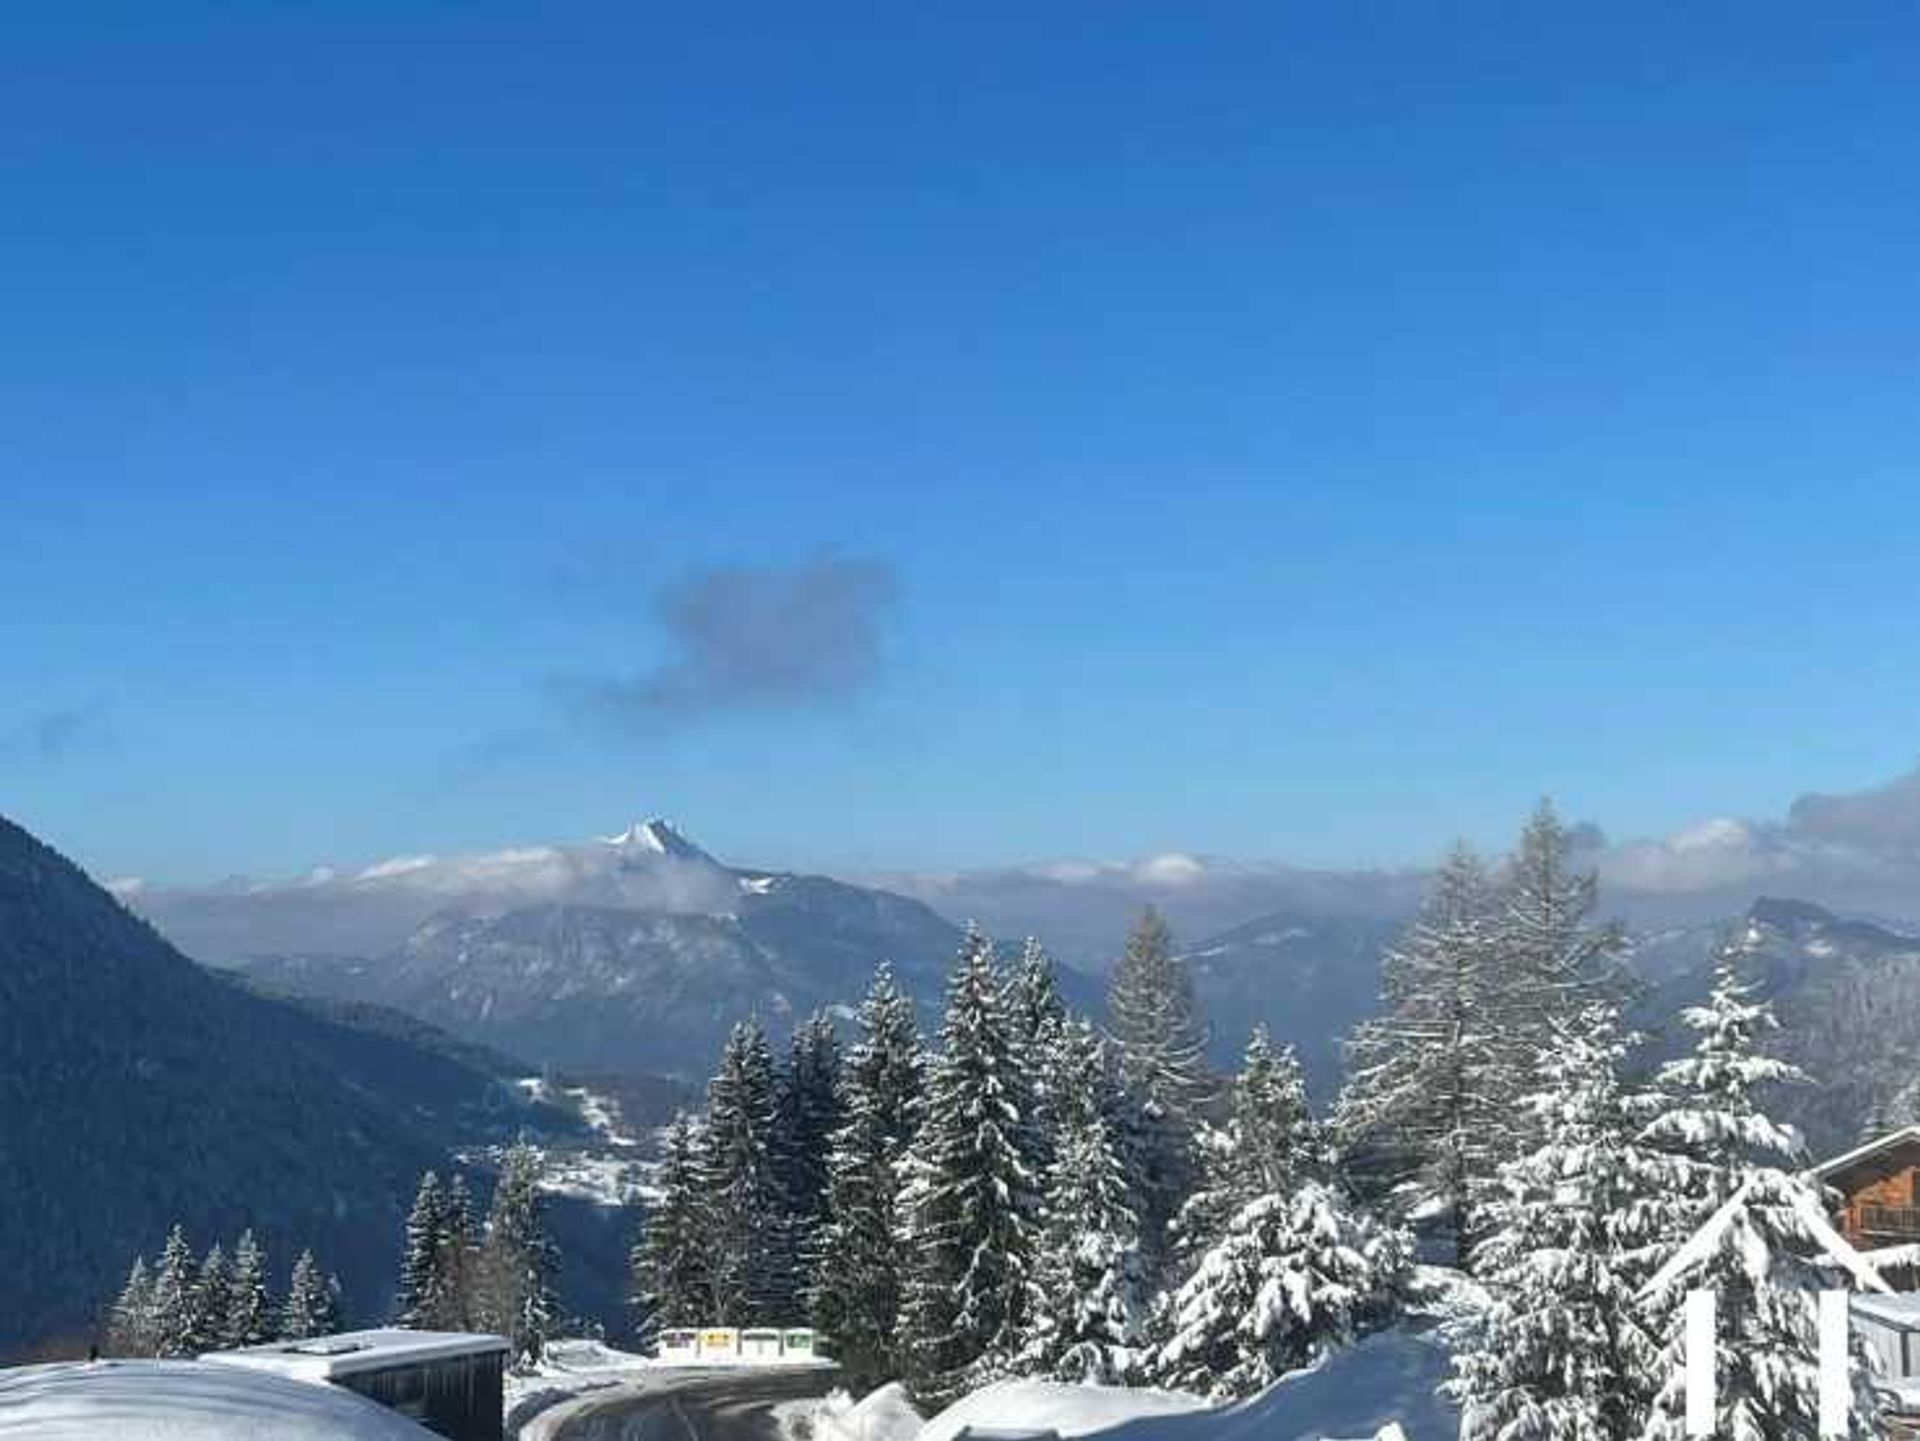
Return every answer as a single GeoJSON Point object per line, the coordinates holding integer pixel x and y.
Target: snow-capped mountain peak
{"type": "Point", "coordinates": [657, 837]}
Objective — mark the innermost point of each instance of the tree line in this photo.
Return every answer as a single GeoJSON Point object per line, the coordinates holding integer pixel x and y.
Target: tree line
{"type": "Point", "coordinates": [458, 1272]}
{"type": "Point", "coordinates": [1035, 1195]}
{"type": "Point", "coordinates": [182, 1307]}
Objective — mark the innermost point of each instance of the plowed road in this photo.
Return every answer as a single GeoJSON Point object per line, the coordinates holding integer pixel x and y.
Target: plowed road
{"type": "Point", "coordinates": [734, 1405]}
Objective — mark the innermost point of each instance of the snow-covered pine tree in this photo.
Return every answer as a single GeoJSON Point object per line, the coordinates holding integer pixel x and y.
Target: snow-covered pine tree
{"type": "Point", "coordinates": [808, 1113]}
{"type": "Point", "coordinates": [173, 1298]}
{"type": "Point", "coordinates": [857, 1285]}
{"type": "Point", "coordinates": [1087, 1300]}
{"type": "Point", "coordinates": [1763, 1244]}
{"type": "Point", "coordinates": [249, 1308]}
{"type": "Point", "coordinates": [1294, 1275]}
{"type": "Point", "coordinates": [1765, 1255]}
{"type": "Point", "coordinates": [671, 1285]}
{"type": "Point", "coordinates": [311, 1308]}
{"type": "Point", "coordinates": [1037, 1013]}
{"type": "Point", "coordinates": [970, 1199]}
{"type": "Point", "coordinates": [1426, 1117]}
{"type": "Point", "coordinates": [751, 1266]}
{"type": "Point", "coordinates": [130, 1320]}
{"type": "Point", "coordinates": [1711, 1122]}
{"type": "Point", "coordinates": [212, 1300]}
{"type": "Point", "coordinates": [518, 1258]}
{"type": "Point", "coordinates": [1562, 1354]}
{"type": "Point", "coordinates": [1034, 992]}
{"type": "Point", "coordinates": [421, 1301]}
{"type": "Point", "coordinates": [1156, 1023]}
{"type": "Point", "coordinates": [459, 1257]}
{"type": "Point", "coordinates": [1269, 1142]}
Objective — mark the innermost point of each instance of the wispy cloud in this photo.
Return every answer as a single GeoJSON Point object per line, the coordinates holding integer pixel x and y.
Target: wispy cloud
{"type": "Point", "coordinates": [751, 638]}
{"type": "Point", "coordinates": [49, 735]}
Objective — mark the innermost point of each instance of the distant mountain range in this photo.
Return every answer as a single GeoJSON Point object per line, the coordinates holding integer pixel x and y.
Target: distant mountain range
{"type": "Point", "coordinates": [637, 952]}
{"type": "Point", "coordinates": [137, 1088]}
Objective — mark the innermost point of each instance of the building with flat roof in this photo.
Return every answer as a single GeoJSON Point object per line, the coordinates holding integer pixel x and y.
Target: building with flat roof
{"type": "Point", "coordinates": [448, 1381]}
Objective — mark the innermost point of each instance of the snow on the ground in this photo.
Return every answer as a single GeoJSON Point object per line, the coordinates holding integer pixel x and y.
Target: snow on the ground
{"type": "Point", "coordinates": [1383, 1389]}
{"type": "Point", "coordinates": [882, 1415]}
{"type": "Point", "coordinates": [607, 1172]}
{"type": "Point", "coordinates": [186, 1401]}
{"type": "Point", "coordinates": [1068, 1409]}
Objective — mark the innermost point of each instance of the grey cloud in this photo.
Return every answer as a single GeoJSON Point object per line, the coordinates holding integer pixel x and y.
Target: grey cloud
{"type": "Point", "coordinates": [50, 734]}
{"type": "Point", "coordinates": [752, 638]}
{"type": "Point", "coordinates": [1883, 817]}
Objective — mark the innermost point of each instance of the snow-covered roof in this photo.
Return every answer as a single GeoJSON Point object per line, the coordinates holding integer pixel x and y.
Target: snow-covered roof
{"type": "Point", "coordinates": [185, 1401]}
{"type": "Point", "coordinates": [325, 1358]}
{"type": "Point", "coordinates": [1900, 1309]}
{"type": "Point", "coordinates": [1906, 1134]}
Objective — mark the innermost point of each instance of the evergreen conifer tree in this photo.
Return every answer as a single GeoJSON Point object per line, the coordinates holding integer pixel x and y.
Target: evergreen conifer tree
{"type": "Point", "coordinates": [1087, 1303]}
{"type": "Point", "coordinates": [250, 1319]}
{"type": "Point", "coordinates": [672, 1287]}
{"type": "Point", "coordinates": [1293, 1276]}
{"type": "Point", "coordinates": [459, 1257]}
{"type": "Point", "coordinates": [751, 1265]}
{"type": "Point", "coordinates": [423, 1300]}
{"type": "Point", "coordinates": [310, 1308]}
{"type": "Point", "coordinates": [808, 1112]}
{"type": "Point", "coordinates": [519, 1259]}
{"type": "Point", "coordinates": [174, 1298]}
{"type": "Point", "coordinates": [972, 1193]}
{"type": "Point", "coordinates": [1562, 1353]}
{"type": "Point", "coordinates": [1156, 1023]}
{"type": "Point", "coordinates": [858, 1283]}
{"type": "Point", "coordinates": [212, 1301]}
{"type": "Point", "coordinates": [130, 1327]}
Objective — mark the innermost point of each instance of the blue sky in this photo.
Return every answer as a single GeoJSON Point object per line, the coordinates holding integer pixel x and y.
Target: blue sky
{"type": "Point", "coordinates": [1304, 431]}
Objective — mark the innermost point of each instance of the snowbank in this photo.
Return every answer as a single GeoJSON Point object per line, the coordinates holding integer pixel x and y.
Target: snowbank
{"type": "Point", "coordinates": [882, 1415]}
{"type": "Point", "coordinates": [186, 1401]}
{"type": "Point", "coordinates": [1070, 1410]}
{"type": "Point", "coordinates": [1383, 1389]}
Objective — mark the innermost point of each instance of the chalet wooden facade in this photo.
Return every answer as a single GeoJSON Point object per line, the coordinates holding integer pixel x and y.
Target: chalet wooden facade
{"type": "Point", "coordinates": [1879, 1194]}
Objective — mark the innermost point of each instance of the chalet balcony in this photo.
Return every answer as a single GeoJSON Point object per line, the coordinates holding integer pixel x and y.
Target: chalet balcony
{"type": "Point", "coordinates": [1890, 1223]}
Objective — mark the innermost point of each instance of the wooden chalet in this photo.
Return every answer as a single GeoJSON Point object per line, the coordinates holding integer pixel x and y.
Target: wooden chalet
{"type": "Point", "coordinates": [1879, 1188]}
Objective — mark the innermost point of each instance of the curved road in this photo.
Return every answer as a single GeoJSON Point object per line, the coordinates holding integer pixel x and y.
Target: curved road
{"type": "Point", "coordinates": [705, 1406]}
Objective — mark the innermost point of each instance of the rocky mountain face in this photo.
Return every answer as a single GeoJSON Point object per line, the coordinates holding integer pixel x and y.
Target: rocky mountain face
{"type": "Point", "coordinates": [137, 1088]}
{"type": "Point", "coordinates": [1308, 978]}
{"type": "Point", "coordinates": [1847, 994]}
{"type": "Point", "coordinates": [607, 988]}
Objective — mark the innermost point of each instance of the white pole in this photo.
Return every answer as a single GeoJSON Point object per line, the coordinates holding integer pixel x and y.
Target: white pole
{"type": "Point", "coordinates": [1835, 1393]}
{"type": "Point", "coordinates": [1700, 1363]}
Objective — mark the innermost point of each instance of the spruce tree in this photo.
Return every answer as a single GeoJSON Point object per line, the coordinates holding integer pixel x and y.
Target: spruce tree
{"type": "Point", "coordinates": [174, 1298]}
{"type": "Point", "coordinates": [858, 1282]}
{"type": "Point", "coordinates": [807, 1114]}
{"type": "Point", "coordinates": [312, 1306]}
{"type": "Point", "coordinates": [1764, 1255]}
{"type": "Point", "coordinates": [130, 1323]}
{"type": "Point", "coordinates": [249, 1308]}
{"type": "Point", "coordinates": [751, 1270]}
{"type": "Point", "coordinates": [1269, 1142]}
{"type": "Point", "coordinates": [423, 1298]}
{"type": "Point", "coordinates": [1087, 1302]}
{"type": "Point", "coordinates": [212, 1301]}
{"type": "Point", "coordinates": [671, 1284]}
{"type": "Point", "coordinates": [519, 1259]}
{"type": "Point", "coordinates": [1561, 1353]}
{"type": "Point", "coordinates": [1744, 1220]}
{"type": "Point", "coordinates": [459, 1257]}
{"type": "Point", "coordinates": [1156, 1023]}
{"type": "Point", "coordinates": [1293, 1276]}
{"type": "Point", "coordinates": [971, 1199]}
